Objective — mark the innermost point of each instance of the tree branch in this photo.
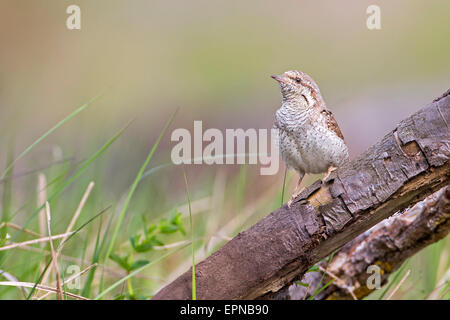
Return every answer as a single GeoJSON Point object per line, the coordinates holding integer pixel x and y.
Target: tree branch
{"type": "Point", "coordinates": [386, 245]}
{"type": "Point", "coordinates": [408, 164]}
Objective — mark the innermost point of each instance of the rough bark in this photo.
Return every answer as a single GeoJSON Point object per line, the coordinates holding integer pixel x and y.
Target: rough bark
{"type": "Point", "coordinates": [408, 164]}
{"type": "Point", "coordinates": [386, 245]}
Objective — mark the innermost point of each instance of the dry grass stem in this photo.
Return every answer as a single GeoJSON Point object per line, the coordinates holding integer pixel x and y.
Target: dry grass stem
{"type": "Point", "coordinates": [42, 198]}
{"type": "Point", "coordinates": [39, 287]}
{"type": "Point", "coordinates": [398, 285]}
{"type": "Point", "coordinates": [70, 226]}
{"type": "Point", "coordinates": [79, 274]}
{"type": "Point", "coordinates": [54, 257]}
{"type": "Point", "coordinates": [34, 241]}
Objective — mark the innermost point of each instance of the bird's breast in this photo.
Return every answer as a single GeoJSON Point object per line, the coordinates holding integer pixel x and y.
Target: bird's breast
{"type": "Point", "coordinates": [310, 147]}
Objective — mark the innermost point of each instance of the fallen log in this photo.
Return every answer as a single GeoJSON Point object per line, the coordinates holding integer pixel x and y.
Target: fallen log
{"type": "Point", "coordinates": [407, 165]}
{"type": "Point", "coordinates": [387, 246]}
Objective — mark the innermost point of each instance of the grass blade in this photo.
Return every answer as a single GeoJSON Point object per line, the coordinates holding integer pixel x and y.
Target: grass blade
{"type": "Point", "coordinates": [134, 186]}
{"type": "Point", "coordinates": [7, 196]}
{"type": "Point", "coordinates": [321, 289]}
{"type": "Point", "coordinates": [68, 238]}
{"type": "Point", "coordinates": [132, 274]}
{"type": "Point", "coordinates": [318, 288]}
{"type": "Point", "coordinates": [284, 187]}
{"type": "Point", "coordinates": [194, 296]}
{"type": "Point", "coordinates": [96, 258]}
{"type": "Point", "coordinates": [88, 284]}
{"type": "Point", "coordinates": [45, 135]}
{"type": "Point", "coordinates": [395, 279]}
{"type": "Point", "coordinates": [82, 168]}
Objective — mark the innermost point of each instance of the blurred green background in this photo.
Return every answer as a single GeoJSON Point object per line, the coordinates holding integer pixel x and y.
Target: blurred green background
{"type": "Point", "coordinates": [213, 60]}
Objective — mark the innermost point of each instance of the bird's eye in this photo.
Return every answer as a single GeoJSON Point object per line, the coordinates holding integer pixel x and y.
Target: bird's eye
{"type": "Point", "coordinates": [297, 80]}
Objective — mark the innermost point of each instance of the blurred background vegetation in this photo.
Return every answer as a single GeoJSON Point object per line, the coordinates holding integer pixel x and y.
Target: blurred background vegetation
{"type": "Point", "coordinates": [212, 59]}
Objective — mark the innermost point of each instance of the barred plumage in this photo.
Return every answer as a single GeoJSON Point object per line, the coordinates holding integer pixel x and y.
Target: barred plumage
{"type": "Point", "coordinates": [310, 140]}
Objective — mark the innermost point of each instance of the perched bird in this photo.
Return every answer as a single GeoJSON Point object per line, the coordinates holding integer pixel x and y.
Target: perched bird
{"type": "Point", "coordinates": [310, 140]}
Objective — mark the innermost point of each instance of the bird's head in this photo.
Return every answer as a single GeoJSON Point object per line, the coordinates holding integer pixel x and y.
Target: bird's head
{"type": "Point", "coordinates": [297, 88]}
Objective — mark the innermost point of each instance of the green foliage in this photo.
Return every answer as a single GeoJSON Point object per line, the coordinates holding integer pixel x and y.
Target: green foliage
{"type": "Point", "coordinates": [150, 237]}
{"type": "Point", "coordinates": [136, 181]}
{"type": "Point", "coordinates": [194, 290]}
{"type": "Point", "coordinates": [172, 225]}
{"type": "Point", "coordinates": [136, 271]}
{"type": "Point", "coordinates": [302, 284]}
{"type": "Point", "coordinates": [319, 290]}
{"type": "Point", "coordinates": [127, 262]}
{"type": "Point", "coordinates": [146, 241]}
{"type": "Point", "coordinates": [314, 268]}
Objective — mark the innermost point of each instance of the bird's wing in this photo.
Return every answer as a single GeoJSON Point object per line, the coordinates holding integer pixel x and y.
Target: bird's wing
{"type": "Point", "coordinates": [332, 123]}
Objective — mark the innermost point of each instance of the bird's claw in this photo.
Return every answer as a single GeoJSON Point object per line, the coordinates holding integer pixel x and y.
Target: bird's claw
{"type": "Point", "coordinates": [290, 203]}
{"type": "Point", "coordinates": [330, 170]}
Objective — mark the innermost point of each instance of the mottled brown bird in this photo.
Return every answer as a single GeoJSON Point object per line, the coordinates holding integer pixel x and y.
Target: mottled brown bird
{"type": "Point", "coordinates": [310, 140]}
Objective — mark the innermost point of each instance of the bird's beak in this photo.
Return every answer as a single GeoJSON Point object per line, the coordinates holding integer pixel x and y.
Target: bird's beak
{"type": "Point", "coordinates": [280, 79]}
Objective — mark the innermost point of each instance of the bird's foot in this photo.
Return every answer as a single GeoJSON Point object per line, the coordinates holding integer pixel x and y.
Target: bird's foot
{"type": "Point", "coordinates": [330, 170]}
{"type": "Point", "coordinates": [294, 196]}
{"type": "Point", "coordinates": [290, 202]}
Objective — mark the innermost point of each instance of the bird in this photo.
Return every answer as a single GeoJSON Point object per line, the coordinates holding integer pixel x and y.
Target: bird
{"type": "Point", "coordinates": [309, 138]}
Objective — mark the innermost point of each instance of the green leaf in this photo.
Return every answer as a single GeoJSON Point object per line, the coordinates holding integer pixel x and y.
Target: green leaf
{"type": "Point", "coordinates": [176, 220]}
{"type": "Point", "coordinates": [182, 230]}
{"type": "Point", "coordinates": [137, 264]}
{"type": "Point", "coordinates": [313, 269]}
{"type": "Point", "coordinates": [133, 273]}
{"type": "Point", "coordinates": [317, 290]}
{"type": "Point", "coordinates": [123, 262]}
{"type": "Point", "coordinates": [168, 228]}
{"type": "Point", "coordinates": [302, 284]}
{"type": "Point", "coordinates": [156, 241]}
{"type": "Point", "coordinates": [151, 229]}
{"type": "Point", "coordinates": [142, 246]}
{"type": "Point", "coordinates": [321, 289]}
{"type": "Point", "coordinates": [173, 225]}
{"type": "Point", "coordinates": [176, 216]}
